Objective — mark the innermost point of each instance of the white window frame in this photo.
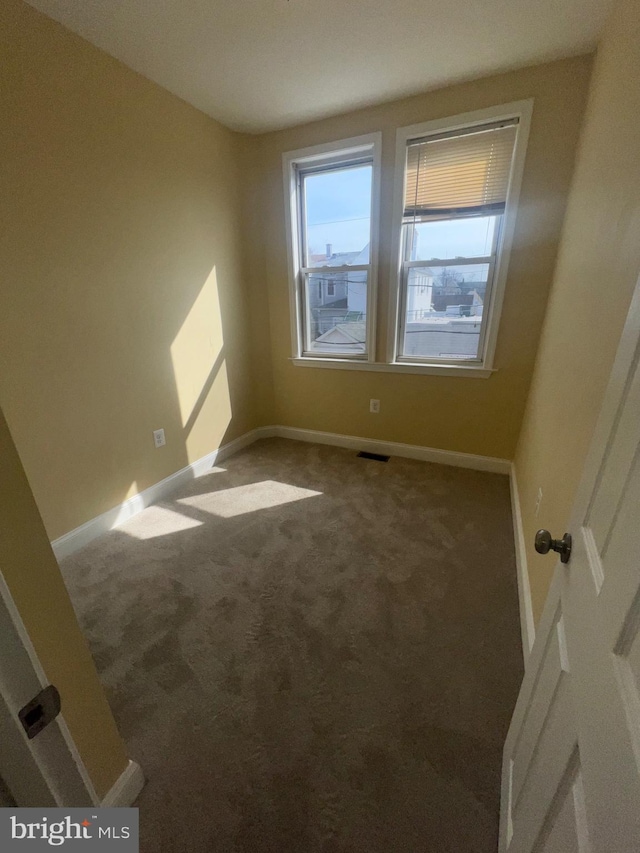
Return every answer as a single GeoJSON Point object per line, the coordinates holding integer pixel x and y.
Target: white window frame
{"type": "Point", "coordinates": [332, 153]}
{"type": "Point", "coordinates": [483, 365]}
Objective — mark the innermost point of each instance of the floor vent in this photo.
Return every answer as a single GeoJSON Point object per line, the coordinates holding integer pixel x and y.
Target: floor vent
{"type": "Point", "coordinates": [377, 457]}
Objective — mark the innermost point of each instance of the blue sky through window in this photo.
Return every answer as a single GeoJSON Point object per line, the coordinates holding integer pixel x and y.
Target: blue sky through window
{"type": "Point", "coordinates": [338, 212]}
{"type": "Point", "coordinates": [455, 238]}
{"type": "Point", "coordinates": [339, 209]}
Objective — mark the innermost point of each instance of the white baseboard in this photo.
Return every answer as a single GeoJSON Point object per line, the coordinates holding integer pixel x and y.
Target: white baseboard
{"type": "Point", "coordinates": [90, 530]}
{"type": "Point", "coordinates": [81, 536]}
{"type": "Point", "coordinates": [394, 448]}
{"type": "Point", "coordinates": [527, 624]}
{"type": "Point", "coordinates": [127, 787]}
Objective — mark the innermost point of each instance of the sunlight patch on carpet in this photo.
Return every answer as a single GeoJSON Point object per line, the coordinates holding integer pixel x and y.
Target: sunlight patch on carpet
{"type": "Point", "coordinates": [253, 497]}
{"type": "Point", "coordinates": [159, 521]}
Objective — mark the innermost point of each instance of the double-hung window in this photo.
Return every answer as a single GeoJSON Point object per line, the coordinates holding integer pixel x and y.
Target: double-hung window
{"type": "Point", "coordinates": [332, 219]}
{"type": "Point", "coordinates": [456, 187]}
{"type": "Point", "coordinates": [452, 209]}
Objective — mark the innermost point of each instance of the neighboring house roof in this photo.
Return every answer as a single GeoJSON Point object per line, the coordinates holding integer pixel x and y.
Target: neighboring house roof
{"type": "Point", "coordinates": [332, 306]}
{"type": "Point", "coordinates": [343, 259]}
{"type": "Point", "coordinates": [357, 331]}
{"type": "Point", "coordinates": [345, 333]}
{"type": "Point", "coordinates": [362, 257]}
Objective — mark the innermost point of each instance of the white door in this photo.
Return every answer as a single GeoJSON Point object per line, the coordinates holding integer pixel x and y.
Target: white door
{"type": "Point", "coordinates": [47, 769]}
{"type": "Point", "coordinates": [571, 769]}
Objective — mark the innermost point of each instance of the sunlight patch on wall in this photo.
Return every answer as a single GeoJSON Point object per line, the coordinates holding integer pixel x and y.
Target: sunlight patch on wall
{"type": "Point", "coordinates": [207, 427]}
{"type": "Point", "coordinates": [158, 521]}
{"type": "Point", "coordinates": [132, 490]}
{"type": "Point", "coordinates": [253, 497]}
{"type": "Point", "coordinates": [196, 351]}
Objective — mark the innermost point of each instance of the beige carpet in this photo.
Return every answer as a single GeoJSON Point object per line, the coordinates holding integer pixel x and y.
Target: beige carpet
{"type": "Point", "coordinates": [307, 651]}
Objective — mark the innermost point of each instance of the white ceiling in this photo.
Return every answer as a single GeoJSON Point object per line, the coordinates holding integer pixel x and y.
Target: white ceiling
{"type": "Point", "coordinates": [262, 64]}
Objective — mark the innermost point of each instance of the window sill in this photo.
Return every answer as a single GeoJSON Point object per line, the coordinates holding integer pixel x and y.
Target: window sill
{"type": "Point", "coordinates": [396, 367]}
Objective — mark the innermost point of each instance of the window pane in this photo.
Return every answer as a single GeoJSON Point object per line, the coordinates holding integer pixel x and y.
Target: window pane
{"type": "Point", "coordinates": [336, 313]}
{"type": "Point", "coordinates": [337, 216]}
{"type": "Point", "coordinates": [444, 310]}
{"type": "Point", "coordinates": [470, 237]}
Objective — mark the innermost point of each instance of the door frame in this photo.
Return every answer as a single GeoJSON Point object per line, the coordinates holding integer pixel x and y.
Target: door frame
{"type": "Point", "coordinates": [47, 770]}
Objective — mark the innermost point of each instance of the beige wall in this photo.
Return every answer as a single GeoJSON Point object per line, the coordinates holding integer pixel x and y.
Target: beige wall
{"type": "Point", "coordinates": [253, 220]}
{"type": "Point", "coordinates": [33, 577]}
{"type": "Point", "coordinates": [123, 307]}
{"type": "Point", "coordinates": [472, 415]}
{"type": "Point", "coordinates": [598, 265]}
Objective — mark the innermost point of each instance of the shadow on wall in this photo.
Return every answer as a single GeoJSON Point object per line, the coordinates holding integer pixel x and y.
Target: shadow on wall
{"type": "Point", "coordinates": [200, 371]}
{"type": "Point", "coordinates": [99, 452]}
{"type": "Point", "coordinates": [191, 382]}
{"type": "Point", "coordinates": [202, 416]}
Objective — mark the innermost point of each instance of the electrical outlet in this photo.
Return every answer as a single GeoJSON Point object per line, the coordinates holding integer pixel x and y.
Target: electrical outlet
{"type": "Point", "coordinates": [158, 438]}
{"type": "Point", "coordinates": [538, 502]}
{"type": "Point", "coordinates": [374, 406]}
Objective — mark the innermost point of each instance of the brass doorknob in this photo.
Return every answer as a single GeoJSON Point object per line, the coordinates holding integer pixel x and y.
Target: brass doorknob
{"type": "Point", "coordinates": [544, 543]}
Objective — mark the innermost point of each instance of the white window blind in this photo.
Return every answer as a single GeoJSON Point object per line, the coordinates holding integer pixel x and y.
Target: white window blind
{"type": "Point", "coordinates": [461, 173]}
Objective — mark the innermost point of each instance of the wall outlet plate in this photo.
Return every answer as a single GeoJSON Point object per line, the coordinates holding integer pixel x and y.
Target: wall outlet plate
{"type": "Point", "coordinates": [158, 438]}
{"type": "Point", "coordinates": [374, 406]}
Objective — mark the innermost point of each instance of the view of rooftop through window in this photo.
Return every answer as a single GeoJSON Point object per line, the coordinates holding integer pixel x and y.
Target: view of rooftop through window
{"type": "Point", "coordinates": [337, 234]}
{"type": "Point", "coordinates": [451, 202]}
{"type": "Point", "coordinates": [445, 298]}
{"type": "Point", "coordinates": [455, 192]}
{"type": "Point", "coordinates": [454, 201]}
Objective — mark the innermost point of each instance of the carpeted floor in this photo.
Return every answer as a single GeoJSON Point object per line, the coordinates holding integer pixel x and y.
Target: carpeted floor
{"type": "Point", "coordinates": [307, 651]}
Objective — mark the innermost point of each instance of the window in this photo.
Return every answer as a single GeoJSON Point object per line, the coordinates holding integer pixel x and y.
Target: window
{"type": "Point", "coordinates": [455, 195]}
{"type": "Point", "coordinates": [332, 217]}
{"type": "Point", "coordinates": [454, 201]}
